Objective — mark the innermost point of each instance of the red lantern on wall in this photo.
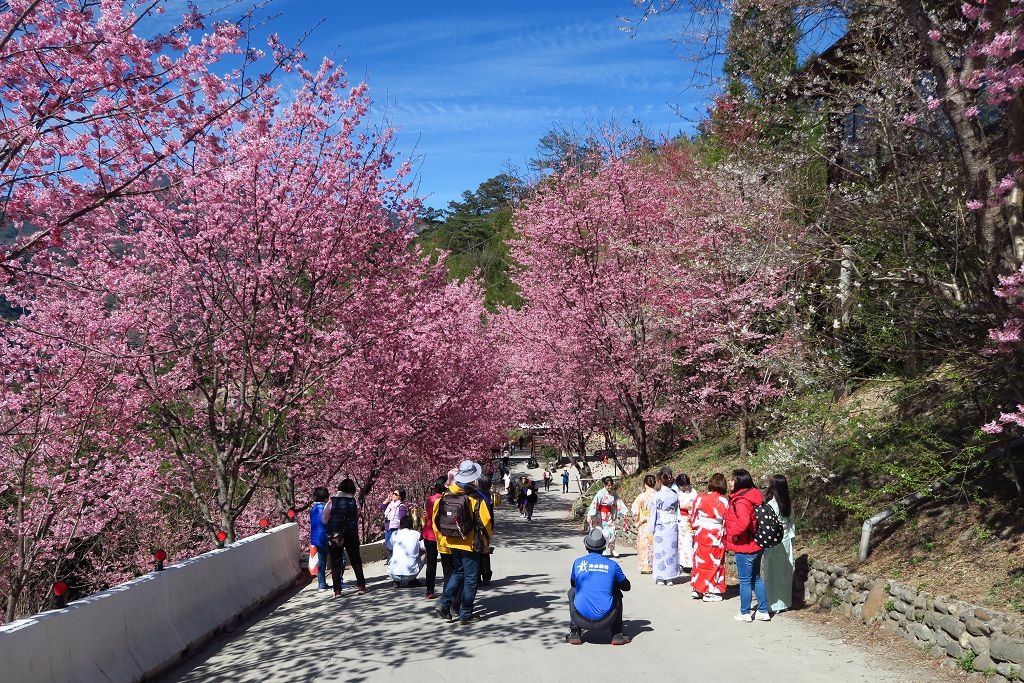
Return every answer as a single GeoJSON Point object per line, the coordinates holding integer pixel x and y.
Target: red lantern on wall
{"type": "Point", "coordinates": [60, 594]}
{"type": "Point", "coordinates": [159, 556]}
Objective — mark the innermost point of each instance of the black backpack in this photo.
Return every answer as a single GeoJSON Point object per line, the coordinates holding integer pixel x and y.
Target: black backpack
{"type": "Point", "coordinates": [455, 517]}
{"type": "Point", "coordinates": [768, 529]}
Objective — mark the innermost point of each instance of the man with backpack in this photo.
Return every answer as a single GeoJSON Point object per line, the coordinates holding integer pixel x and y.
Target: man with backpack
{"type": "Point", "coordinates": [463, 524]}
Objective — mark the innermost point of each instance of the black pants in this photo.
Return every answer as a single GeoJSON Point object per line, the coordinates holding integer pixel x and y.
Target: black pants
{"type": "Point", "coordinates": [337, 563]}
{"type": "Point", "coordinates": [431, 547]}
{"type": "Point", "coordinates": [485, 567]}
{"type": "Point", "coordinates": [565, 487]}
{"type": "Point", "coordinates": [611, 621]}
{"type": "Point", "coordinates": [355, 560]}
{"type": "Point", "coordinates": [530, 504]}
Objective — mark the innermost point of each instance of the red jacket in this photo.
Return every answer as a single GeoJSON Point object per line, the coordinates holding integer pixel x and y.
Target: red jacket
{"type": "Point", "coordinates": [740, 522]}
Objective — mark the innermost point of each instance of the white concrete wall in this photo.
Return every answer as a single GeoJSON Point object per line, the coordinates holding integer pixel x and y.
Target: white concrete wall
{"type": "Point", "coordinates": [142, 626]}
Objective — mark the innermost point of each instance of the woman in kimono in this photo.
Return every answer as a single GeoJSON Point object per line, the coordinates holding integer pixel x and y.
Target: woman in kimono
{"type": "Point", "coordinates": [777, 565]}
{"type": "Point", "coordinates": [604, 510]}
{"type": "Point", "coordinates": [707, 580]}
{"type": "Point", "coordinates": [664, 524]}
{"type": "Point", "coordinates": [644, 539]}
{"type": "Point", "coordinates": [687, 497]}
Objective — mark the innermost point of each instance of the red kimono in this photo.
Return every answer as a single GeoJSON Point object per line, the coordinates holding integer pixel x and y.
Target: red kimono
{"type": "Point", "coordinates": [708, 522]}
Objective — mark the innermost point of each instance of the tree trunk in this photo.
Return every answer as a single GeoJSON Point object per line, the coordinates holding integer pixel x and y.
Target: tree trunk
{"type": "Point", "coordinates": [742, 427]}
{"type": "Point", "coordinates": [997, 245]}
{"type": "Point", "coordinates": [698, 436]}
{"type": "Point", "coordinates": [643, 459]}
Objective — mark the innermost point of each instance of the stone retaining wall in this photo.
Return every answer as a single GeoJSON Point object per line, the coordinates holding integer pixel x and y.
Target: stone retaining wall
{"type": "Point", "coordinates": [963, 635]}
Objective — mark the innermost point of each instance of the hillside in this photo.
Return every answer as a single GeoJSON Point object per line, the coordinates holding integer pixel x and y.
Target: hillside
{"type": "Point", "coordinates": [848, 459]}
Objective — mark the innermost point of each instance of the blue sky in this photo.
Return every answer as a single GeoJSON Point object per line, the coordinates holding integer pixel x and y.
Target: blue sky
{"type": "Point", "coordinates": [473, 86]}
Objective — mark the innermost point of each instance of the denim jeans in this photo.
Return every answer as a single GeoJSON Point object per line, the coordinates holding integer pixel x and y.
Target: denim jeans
{"type": "Point", "coordinates": [465, 572]}
{"type": "Point", "coordinates": [748, 566]}
{"type": "Point", "coordinates": [321, 566]}
{"type": "Point", "coordinates": [388, 533]}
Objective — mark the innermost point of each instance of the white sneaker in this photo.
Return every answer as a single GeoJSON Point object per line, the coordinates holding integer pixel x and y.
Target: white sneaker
{"type": "Point", "coordinates": [712, 597]}
{"type": "Point", "coordinates": [695, 595]}
{"type": "Point", "coordinates": [744, 617]}
{"type": "Point", "coordinates": [659, 583]}
{"type": "Point", "coordinates": [763, 616]}
{"type": "Point", "coordinates": [615, 553]}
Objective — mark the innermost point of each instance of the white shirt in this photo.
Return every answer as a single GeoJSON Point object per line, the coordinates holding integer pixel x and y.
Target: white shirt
{"type": "Point", "coordinates": [405, 553]}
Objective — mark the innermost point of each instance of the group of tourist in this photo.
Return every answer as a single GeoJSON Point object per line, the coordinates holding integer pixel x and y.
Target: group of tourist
{"type": "Point", "coordinates": [522, 491]}
{"type": "Point", "coordinates": [455, 527]}
{"type": "Point", "coordinates": [680, 532]}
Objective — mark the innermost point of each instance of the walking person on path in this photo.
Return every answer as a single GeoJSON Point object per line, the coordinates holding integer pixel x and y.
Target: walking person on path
{"type": "Point", "coordinates": [429, 538]}
{"type": "Point", "coordinates": [522, 494]}
{"type": "Point", "coordinates": [605, 508]}
{"type": "Point", "coordinates": [531, 500]}
{"type": "Point", "coordinates": [565, 481]}
{"type": "Point", "coordinates": [778, 565]}
{"type": "Point", "coordinates": [739, 538]}
{"type": "Point", "coordinates": [664, 524]}
{"type": "Point", "coordinates": [318, 535]}
{"type": "Point", "coordinates": [595, 596]}
{"type": "Point", "coordinates": [484, 486]}
{"type": "Point", "coordinates": [463, 524]}
{"type": "Point", "coordinates": [641, 510]}
{"type": "Point", "coordinates": [547, 479]}
{"type": "Point", "coordinates": [707, 581]}
{"type": "Point", "coordinates": [342, 514]}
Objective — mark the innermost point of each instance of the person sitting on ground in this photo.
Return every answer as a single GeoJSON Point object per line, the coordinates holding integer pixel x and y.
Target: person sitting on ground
{"type": "Point", "coordinates": [407, 554]}
{"type": "Point", "coordinates": [595, 599]}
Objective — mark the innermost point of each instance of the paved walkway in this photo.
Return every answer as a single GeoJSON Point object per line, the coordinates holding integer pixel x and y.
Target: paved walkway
{"type": "Point", "coordinates": [389, 634]}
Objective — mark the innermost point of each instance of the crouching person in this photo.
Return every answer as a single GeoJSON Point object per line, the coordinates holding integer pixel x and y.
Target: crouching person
{"type": "Point", "coordinates": [595, 599]}
{"type": "Point", "coordinates": [407, 554]}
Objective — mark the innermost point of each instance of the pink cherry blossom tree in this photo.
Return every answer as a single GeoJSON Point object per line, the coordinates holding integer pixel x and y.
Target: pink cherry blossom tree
{"type": "Point", "coordinates": [93, 110]}
{"type": "Point", "coordinates": [640, 267]}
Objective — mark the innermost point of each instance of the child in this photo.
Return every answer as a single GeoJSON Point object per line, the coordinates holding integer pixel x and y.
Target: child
{"type": "Point", "coordinates": [318, 535]}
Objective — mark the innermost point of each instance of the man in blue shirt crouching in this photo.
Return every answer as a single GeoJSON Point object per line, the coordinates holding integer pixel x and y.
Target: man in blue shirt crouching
{"type": "Point", "coordinates": [595, 599]}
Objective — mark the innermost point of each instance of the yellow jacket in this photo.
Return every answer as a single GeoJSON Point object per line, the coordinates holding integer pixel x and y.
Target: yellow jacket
{"type": "Point", "coordinates": [446, 543]}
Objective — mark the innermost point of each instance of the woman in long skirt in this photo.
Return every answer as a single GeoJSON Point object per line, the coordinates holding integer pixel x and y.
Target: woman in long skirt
{"type": "Point", "coordinates": [664, 524]}
{"type": "Point", "coordinates": [687, 497]}
{"type": "Point", "coordinates": [777, 565]}
{"type": "Point", "coordinates": [604, 510]}
{"type": "Point", "coordinates": [707, 580]}
{"type": "Point", "coordinates": [644, 539]}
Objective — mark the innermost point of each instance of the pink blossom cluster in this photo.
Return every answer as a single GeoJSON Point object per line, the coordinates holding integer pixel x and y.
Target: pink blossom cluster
{"type": "Point", "coordinates": [1007, 339]}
